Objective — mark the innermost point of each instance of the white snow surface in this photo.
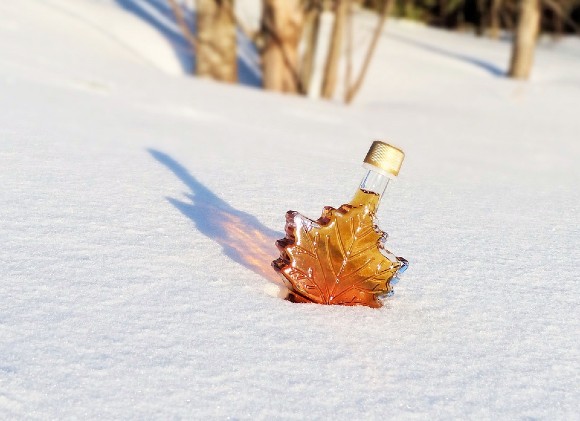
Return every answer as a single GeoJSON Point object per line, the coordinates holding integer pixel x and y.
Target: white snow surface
{"type": "Point", "coordinates": [139, 207]}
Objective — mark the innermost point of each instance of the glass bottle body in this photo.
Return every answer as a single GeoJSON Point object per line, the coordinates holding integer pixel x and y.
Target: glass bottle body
{"type": "Point", "coordinates": [340, 258]}
{"type": "Point", "coordinates": [371, 190]}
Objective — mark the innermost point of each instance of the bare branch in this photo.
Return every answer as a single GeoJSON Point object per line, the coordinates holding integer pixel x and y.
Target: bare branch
{"type": "Point", "coordinates": [349, 40]}
{"type": "Point", "coordinates": [179, 18]}
{"type": "Point", "coordinates": [241, 25]}
{"type": "Point", "coordinates": [287, 62]}
{"type": "Point", "coordinates": [335, 49]}
{"type": "Point", "coordinates": [559, 10]}
{"type": "Point", "coordinates": [353, 90]}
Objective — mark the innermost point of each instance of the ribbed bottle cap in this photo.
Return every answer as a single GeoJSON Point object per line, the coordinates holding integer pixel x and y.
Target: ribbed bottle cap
{"type": "Point", "coordinates": [385, 157]}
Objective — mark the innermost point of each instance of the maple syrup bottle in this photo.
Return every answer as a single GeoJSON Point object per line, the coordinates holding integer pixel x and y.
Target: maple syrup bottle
{"type": "Point", "coordinates": [340, 258]}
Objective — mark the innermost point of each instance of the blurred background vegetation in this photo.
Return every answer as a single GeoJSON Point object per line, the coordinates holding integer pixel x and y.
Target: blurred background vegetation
{"type": "Point", "coordinates": [487, 17]}
{"type": "Point", "coordinates": [303, 43]}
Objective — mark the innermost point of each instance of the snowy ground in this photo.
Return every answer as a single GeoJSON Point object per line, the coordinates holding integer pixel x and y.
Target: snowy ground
{"type": "Point", "coordinates": [138, 210]}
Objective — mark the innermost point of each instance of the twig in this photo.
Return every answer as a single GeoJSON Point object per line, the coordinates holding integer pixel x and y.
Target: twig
{"type": "Point", "coordinates": [178, 13]}
{"type": "Point", "coordinates": [334, 50]}
{"type": "Point", "coordinates": [295, 75]}
{"type": "Point", "coordinates": [557, 8]}
{"type": "Point", "coordinates": [352, 91]}
{"type": "Point", "coordinates": [252, 35]}
{"type": "Point", "coordinates": [349, 39]}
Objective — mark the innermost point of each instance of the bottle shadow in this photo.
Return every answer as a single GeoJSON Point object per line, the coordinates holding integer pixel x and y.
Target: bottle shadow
{"type": "Point", "coordinates": [243, 238]}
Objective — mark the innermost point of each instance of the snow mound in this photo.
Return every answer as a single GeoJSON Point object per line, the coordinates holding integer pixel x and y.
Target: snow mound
{"type": "Point", "coordinates": [139, 207]}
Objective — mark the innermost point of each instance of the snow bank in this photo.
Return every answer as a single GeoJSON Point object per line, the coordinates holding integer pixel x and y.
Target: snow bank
{"type": "Point", "coordinates": [138, 212]}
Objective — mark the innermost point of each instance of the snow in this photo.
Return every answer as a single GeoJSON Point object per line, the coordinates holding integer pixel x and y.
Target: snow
{"type": "Point", "coordinates": [139, 207]}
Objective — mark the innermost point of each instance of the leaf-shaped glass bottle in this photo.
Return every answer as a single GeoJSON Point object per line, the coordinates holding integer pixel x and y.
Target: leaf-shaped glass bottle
{"type": "Point", "coordinates": [340, 258]}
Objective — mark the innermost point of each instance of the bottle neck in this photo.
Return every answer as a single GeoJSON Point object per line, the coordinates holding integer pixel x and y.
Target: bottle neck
{"type": "Point", "coordinates": [375, 182]}
{"type": "Point", "coordinates": [371, 190]}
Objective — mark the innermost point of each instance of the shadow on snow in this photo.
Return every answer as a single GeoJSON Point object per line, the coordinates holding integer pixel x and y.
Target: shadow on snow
{"type": "Point", "coordinates": [243, 238]}
{"type": "Point", "coordinates": [482, 64]}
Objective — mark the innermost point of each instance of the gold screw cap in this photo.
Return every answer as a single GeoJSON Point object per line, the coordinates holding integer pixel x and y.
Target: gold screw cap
{"type": "Point", "coordinates": [385, 157]}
